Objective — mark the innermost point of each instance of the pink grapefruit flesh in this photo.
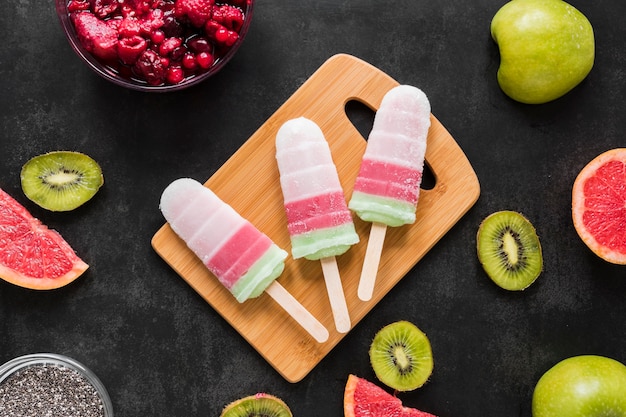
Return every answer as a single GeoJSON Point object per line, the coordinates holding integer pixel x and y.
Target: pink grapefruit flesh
{"type": "Point", "coordinates": [599, 205]}
{"type": "Point", "coordinates": [363, 398]}
{"type": "Point", "coordinates": [31, 255]}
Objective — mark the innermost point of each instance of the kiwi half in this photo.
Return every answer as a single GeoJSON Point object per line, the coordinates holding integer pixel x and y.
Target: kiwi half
{"type": "Point", "coordinates": [258, 405]}
{"type": "Point", "coordinates": [509, 250]}
{"type": "Point", "coordinates": [61, 180]}
{"type": "Point", "coordinates": [401, 356]}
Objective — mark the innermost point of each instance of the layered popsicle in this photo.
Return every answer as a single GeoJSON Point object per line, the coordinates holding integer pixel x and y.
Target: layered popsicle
{"type": "Point", "coordinates": [387, 187]}
{"type": "Point", "coordinates": [319, 221]}
{"type": "Point", "coordinates": [244, 260]}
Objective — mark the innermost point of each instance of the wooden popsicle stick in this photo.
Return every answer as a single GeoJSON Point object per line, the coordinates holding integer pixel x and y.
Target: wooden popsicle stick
{"type": "Point", "coordinates": [371, 261]}
{"type": "Point", "coordinates": [335, 294]}
{"type": "Point", "coordinates": [297, 311]}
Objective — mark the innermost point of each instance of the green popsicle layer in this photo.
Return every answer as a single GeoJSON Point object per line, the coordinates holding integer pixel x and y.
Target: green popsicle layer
{"type": "Point", "coordinates": [262, 273]}
{"type": "Point", "coordinates": [389, 211]}
{"type": "Point", "coordinates": [324, 243]}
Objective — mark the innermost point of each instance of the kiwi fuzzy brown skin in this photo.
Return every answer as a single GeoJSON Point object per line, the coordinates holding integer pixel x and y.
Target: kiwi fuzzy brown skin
{"type": "Point", "coordinates": [509, 250]}
{"type": "Point", "coordinates": [61, 180]}
{"type": "Point", "coordinates": [401, 356]}
{"type": "Point", "coordinates": [258, 405]}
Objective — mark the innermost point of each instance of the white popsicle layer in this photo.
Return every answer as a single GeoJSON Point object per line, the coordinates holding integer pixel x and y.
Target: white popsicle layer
{"type": "Point", "coordinates": [242, 258]}
{"type": "Point", "coordinates": [387, 187]}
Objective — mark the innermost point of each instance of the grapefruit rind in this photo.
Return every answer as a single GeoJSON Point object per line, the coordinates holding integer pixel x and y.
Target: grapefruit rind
{"type": "Point", "coordinates": [599, 205]}
{"type": "Point", "coordinates": [363, 398]}
{"type": "Point", "coordinates": [32, 255]}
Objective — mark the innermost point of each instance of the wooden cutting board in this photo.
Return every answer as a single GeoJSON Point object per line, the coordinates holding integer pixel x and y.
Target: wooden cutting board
{"type": "Point", "coordinates": [249, 182]}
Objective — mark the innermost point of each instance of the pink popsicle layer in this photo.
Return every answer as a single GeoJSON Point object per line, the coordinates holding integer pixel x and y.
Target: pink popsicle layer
{"type": "Point", "coordinates": [319, 212]}
{"type": "Point", "coordinates": [389, 180]}
{"type": "Point", "coordinates": [231, 262]}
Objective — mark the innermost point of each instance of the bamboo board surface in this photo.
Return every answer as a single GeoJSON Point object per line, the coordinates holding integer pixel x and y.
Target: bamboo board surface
{"type": "Point", "coordinates": [249, 182]}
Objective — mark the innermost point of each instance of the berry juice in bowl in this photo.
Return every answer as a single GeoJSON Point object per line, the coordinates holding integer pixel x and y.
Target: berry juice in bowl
{"type": "Point", "coordinates": [155, 45]}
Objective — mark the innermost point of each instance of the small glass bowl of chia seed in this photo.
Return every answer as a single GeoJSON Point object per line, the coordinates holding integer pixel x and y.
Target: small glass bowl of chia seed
{"type": "Point", "coordinates": [51, 385]}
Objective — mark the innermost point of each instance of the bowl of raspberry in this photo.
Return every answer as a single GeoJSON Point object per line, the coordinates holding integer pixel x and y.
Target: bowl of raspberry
{"type": "Point", "coordinates": [155, 45]}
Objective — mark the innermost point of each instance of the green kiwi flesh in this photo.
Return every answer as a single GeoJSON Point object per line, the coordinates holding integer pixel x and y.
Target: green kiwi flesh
{"type": "Point", "coordinates": [258, 405]}
{"type": "Point", "coordinates": [61, 180]}
{"type": "Point", "coordinates": [509, 250]}
{"type": "Point", "coordinates": [401, 356]}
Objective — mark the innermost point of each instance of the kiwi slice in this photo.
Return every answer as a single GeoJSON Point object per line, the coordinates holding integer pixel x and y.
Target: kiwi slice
{"type": "Point", "coordinates": [61, 180]}
{"type": "Point", "coordinates": [401, 356]}
{"type": "Point", "coordinates": [258, 405]}
{"type": "Point", "coordinates": [509, 250]}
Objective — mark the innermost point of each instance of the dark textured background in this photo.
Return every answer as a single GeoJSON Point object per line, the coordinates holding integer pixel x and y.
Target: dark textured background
{"type": "Point", "coordinates": [162, 351]}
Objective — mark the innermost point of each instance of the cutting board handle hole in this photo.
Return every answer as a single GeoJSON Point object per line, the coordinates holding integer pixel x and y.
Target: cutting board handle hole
{"type": "Point", "coordinates": [361, 116]}
{"type": "Point", "coordinates": [428, 178]}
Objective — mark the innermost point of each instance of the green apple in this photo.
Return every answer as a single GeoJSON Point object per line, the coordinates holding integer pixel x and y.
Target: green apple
{"type": "Point", "coordinates": [546, 48]}
{"type": "Point", "coordinates": [582, 386]}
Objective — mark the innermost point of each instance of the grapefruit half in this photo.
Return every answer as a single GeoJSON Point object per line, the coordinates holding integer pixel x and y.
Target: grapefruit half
{"type": "Point", "coordinates": [363, 398]}
{"type": "Point", "coordinates": [599, 205]}
{"type": "Point", "coordinates": [31, 255]}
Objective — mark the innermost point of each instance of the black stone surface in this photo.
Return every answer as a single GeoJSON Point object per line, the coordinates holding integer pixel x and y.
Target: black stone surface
{"type": "Point", "coordinates": [162, 351]}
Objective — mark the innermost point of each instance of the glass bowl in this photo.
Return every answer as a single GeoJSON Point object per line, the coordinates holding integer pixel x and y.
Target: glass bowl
{"type": "Point", "coordinates": [86, 378]}
{"type": "Point", "coordinates": [115, 75]}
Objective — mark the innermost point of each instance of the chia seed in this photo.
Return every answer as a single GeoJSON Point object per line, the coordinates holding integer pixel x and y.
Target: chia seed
{"type": "Point", "coordinates": [49, 390]}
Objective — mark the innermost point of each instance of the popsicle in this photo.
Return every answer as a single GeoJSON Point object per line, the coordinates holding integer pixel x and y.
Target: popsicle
{"type": "Point", "coordinates": [319, 222]}
{"type": "Point", "coordinates": [245, 260]}
{"type": "Point", "coordinates": [387, 187]}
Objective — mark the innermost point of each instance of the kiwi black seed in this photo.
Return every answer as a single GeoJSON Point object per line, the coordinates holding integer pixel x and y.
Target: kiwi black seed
{"type": "Point", "coordinates": [258, 405]}
{"type": "Point", "coordinates": [509, 250]}
{"type": "Point", "coordinates": [61, 180]}
{"type": "Point", "coordinates": [401, 356]}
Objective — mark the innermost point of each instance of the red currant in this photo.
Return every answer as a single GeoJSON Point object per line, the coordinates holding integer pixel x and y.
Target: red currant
{"type": "Point", "coordinates": [205, 60]}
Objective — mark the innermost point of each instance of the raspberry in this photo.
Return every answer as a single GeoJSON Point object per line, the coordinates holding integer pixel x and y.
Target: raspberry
{"type": "Point", "coordinates": [129, 26]}
{"type": "Point", "coordinates": [152, 21]}
{"type": "Point", "coordinates": [136, 7]}
{"type": "Point", "coordinates": [95, 35]}
{"type": "Point", "coordinates": [78, 5]}
{"type": "Point", "coordinates": [168, 45]}
{"type": "Point", "coordinates": [150, 68]}
{"type": "Point", "coordinates": [103, 8]}
{"type": "Point", "coordinates": [129, 49]}
{"type": "Point", "coordinates": [197, 12]}
{"type": "Point", "coordinates": [228, 16]}
{"type": "Point", "coordinates": [114, 24]}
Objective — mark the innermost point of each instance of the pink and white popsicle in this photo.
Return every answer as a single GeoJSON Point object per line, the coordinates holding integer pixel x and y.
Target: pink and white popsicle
{"type": "Point", "coordinates": [245, 260]}
{"type": "Point", "coordinates": [387, 187]}
{"type": "Point", "coordinates": [319, 221]}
